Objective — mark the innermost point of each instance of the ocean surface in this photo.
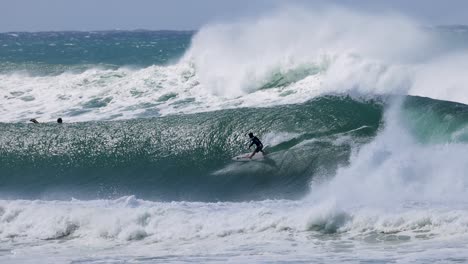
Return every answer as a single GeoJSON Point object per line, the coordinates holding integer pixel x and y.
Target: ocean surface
{"type": "Point", "coordinates": [365, 119]}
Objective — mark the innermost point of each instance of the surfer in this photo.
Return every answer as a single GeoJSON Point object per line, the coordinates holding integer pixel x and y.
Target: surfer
{"type": "Point", "coordinates": [59, 120]}
{"type": "Point", "coordinates": [258, 144]}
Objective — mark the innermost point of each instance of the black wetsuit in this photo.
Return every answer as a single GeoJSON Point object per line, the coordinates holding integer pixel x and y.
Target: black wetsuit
{"type": "Point", "coordinates": [258, 143]}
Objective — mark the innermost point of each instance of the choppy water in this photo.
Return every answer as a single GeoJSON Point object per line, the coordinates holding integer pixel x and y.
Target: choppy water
{"type": "Point", "coordinates": [366, 143]}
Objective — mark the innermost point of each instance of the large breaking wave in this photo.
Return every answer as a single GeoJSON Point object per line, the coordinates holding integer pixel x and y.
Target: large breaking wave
{"type": "Point", "coordinates": [355, 145]}
{"type": "Point", "coordinates": [287, 57]}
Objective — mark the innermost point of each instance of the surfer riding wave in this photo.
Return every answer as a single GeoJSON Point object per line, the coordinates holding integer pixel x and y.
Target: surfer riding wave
{"type": "Point", "coordinates": [258, 144]}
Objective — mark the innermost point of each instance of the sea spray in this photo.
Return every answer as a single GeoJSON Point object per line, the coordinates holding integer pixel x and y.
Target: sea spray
{"type": "Point", "coordinates": [396, 188]}
{"type": "Point", "coordinates": [141, 169]}
{"type": "Point", "coordinates": [287, 57]}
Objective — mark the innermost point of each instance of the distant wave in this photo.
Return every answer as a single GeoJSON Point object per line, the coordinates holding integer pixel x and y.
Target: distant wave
{"type": "Point", "coordinates": [281, 58]}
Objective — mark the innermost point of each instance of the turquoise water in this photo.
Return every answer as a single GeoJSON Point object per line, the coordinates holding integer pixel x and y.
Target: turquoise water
{"type": "Point", "coordinates": [51, 53]}
{"type": "Point", "coordinates": [183, 157]}
{"type": "Point", "coordinates": [366, 143]}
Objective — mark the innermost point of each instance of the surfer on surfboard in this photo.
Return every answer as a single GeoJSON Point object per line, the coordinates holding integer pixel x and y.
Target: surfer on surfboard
{"type": "Point", "coordinates": [258, 144]}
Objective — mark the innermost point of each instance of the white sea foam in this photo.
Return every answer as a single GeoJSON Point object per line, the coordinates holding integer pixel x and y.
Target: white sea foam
{"type": "Point", "coordinates": [396, 168]}
{"type": "Point", "coordinates": [128, 228]}
{"type": "Point", "coordinates": [396, 186]}
{"type": "Point", "coordinates": [307, 53]}
{"type": "Point", "coordinates": [409, 197]}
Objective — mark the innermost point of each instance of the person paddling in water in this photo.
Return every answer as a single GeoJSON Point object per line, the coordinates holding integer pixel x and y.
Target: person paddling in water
{"type": "Point", "coordinates": [258, 144]}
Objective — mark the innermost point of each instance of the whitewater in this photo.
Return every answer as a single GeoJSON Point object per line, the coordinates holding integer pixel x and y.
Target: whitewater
{"type": "Point", "coordinates": [365, 116]}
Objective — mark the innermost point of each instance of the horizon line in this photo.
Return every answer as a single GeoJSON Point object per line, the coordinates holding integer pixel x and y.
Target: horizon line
{"type": "Point", "coordinates": [167, 30]}
{"type": "Point", "coordinates": [102, 30]}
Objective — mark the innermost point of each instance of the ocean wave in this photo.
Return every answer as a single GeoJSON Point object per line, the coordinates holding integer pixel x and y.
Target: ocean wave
{"type": "Point", "coordinates": [280, 58]}
{"type": "Point", "coordinates": [188, 156]}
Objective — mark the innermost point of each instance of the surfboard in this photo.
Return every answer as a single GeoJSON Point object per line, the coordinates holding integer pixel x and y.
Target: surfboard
{"type": "Point", "coordinates": [245, 157]}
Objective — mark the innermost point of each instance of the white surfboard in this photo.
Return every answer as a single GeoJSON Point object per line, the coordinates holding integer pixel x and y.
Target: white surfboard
{"type": "Point", "coordinates": [245, 157]}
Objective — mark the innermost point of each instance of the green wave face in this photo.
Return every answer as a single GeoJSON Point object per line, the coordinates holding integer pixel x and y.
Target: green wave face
{"type": "Point", "coordinates": [186, 157]}
{"type": "Point", "coordinates": [435, 122]}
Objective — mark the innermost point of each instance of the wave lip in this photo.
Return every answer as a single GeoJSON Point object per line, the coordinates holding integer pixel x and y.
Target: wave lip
{"type": "Point", "coordinates": [272, 60]}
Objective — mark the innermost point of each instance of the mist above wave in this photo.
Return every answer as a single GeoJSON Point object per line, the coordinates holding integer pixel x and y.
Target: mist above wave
{"type": "Point", "coordinates": [285, 57]}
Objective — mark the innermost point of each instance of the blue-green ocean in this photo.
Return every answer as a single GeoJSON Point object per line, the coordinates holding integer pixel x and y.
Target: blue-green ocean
{"type": "Point", "coordinates": [365, 119]}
